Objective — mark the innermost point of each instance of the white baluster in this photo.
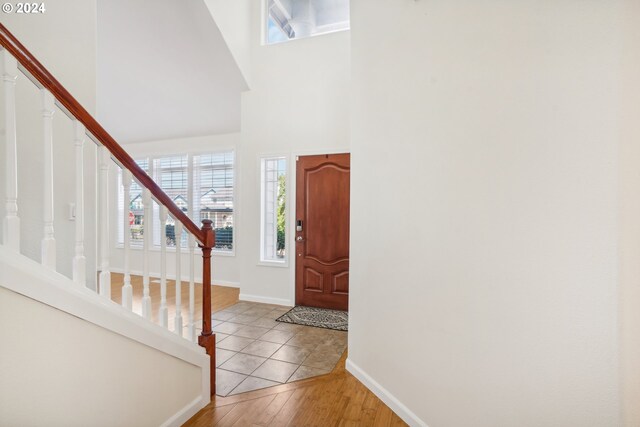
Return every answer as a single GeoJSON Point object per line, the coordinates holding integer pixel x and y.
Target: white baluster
{"type": "Point", "coordinates": [11, 223]}
{"type": "Point", "coordinates": [192, 269]}
{"type": "Point", "coordinates": [79, 261]}
{"type": "Point", "coordinates": [105, 274]}
{"type": "Point", "coordinates": [192, 244]}
{"type": "Point", "coordinates": [178, 318]}
{"type": "Point", "coordinates": [127, 290]}
{"type": "Point", "coordinates": [146, 298]}
{"type": "Point", "coordinates": [48, 248]}
{"type": "Point", "coordinates": [164, 311]}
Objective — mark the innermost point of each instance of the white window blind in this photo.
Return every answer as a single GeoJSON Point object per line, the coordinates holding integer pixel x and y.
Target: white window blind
{"type": "Point", "coordinates": [171, 174]}
{"type": "Point", "coordinates": [214, 184]}
{"type": "Point", "coordinates": [212, 198]}
{"type": "Point", "coordinates": [136, 208]}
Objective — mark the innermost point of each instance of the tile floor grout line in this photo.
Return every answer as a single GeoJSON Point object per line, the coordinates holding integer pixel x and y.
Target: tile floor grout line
{"type": "Point", "coordinates": [316, 338]}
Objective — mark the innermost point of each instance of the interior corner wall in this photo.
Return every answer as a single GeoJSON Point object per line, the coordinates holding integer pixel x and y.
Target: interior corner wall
{"type": "Point", "coordinates": [491, 297]}
{"type": "Point", "coordinates": [629, 219]}
{"type": "Point", "coordinates": [234, 20]}
{"type": "Point", "coordinates": [63, 39]}
{"type": "Point", "coordinates": [298, 104]}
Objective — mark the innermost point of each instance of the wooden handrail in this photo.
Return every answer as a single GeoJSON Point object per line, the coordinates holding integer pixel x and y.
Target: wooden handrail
{"type": "Point", "coordinates": [205, 235]}
{"type": "Point", "coordinates": [42, 75]}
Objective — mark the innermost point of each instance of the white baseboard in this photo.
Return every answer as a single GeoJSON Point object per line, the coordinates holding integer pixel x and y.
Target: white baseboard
{"type": "Point", "coordinates": [226, 283]}
{"type": "Point", "coordinates": [266, 300]}
{"type": "Point", "coordinates": [390, 400]}
{"type": "Point", "coordinates": [185, 413]}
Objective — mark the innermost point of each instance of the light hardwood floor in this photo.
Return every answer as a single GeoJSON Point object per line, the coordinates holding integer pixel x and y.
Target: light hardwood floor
{"type": "Point", "coordinates": [222, 297]}
{"type": "Point", "coordinates": [335, 399]}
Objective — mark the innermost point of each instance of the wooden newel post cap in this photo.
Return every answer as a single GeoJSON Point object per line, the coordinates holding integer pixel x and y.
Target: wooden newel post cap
{"type": "Point", "coordinates": [209, 234]}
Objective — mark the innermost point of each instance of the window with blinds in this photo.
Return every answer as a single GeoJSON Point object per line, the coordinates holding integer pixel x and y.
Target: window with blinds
{"type": "Point", "coordinates": [214, 184]}
{"type": "Point", "coordinates": [171, 174]}
{"type": "Point", "coordinates": [136, 208]}
{"type": "Point", "coordinates": [210, 195]}
{"type": "Point", "coordinates": [273, 209]}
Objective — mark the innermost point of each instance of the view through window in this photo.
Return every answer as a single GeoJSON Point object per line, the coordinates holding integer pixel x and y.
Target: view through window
{"type": "Point", "coordinates": [295, 19]}
{"type": "Point", "coordinates": [273, 215]}
{"type": "Point", "coordinates": [212, 176]}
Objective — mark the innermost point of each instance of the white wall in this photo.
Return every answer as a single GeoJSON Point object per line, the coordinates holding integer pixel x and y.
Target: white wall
{"type": "Point", "coordinates": [164, 71]}
{"type": "Point", "coordinates": [629, 225]}
{"type": "Point", "coordinates": [298, 104]}
{"type": "Point", "coordinates": [493, 127]}
{"type": "Point", "coordinates": [234, 20]}
{"type": "Point", "coordinates": [63, 39]}
{"type": "Point", "coordinates": [225, 268]}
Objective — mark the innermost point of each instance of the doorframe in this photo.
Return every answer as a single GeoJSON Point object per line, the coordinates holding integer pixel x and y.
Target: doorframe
{"type": "Point", "coordinates": [292, 190]}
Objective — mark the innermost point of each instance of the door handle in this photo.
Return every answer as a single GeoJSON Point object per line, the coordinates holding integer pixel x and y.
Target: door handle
{"type": "Point", "coordinates": [300, 239]}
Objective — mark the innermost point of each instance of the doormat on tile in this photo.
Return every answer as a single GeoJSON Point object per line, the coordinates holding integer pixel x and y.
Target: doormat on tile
{"type": "Point", "coordinates": [318, 317]}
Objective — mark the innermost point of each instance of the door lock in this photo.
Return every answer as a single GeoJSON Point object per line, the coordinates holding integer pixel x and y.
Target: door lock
{"type": "Point", "coordinates": [299, 225]}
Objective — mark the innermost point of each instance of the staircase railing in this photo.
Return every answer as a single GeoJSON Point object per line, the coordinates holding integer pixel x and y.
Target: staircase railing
{"type": "Point", "coordinates": [13, 57]}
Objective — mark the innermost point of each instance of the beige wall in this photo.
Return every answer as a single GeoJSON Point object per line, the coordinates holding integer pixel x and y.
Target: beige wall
{"type": "Point", "coordinates": [629, 215]}
{"type": "Point", "coordinates": [494, 299]}
{"type": "Point", "coordinates": [59, 370]}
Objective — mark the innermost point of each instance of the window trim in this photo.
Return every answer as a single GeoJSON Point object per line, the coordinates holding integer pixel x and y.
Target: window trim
{"type": "Point", "coordinates": [284, 263]}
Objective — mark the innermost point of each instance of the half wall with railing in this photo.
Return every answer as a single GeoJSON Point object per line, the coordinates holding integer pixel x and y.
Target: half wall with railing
{"type": "Point", "coordinates": [16, 60]}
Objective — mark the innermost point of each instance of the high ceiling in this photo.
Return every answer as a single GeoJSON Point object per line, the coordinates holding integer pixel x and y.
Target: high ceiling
{"type": "Point", "coordinates": [331, 11]}
{"type": "Point", "coordinates": [164, 71]}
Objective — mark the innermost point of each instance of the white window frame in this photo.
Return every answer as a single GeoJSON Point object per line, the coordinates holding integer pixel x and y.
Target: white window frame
{"type": "Point", "coordinates": [154, 212]}
{"type": "Point", "coordinates": [327, 29]}
{"type": "Point", "coordinates": [283, 262]}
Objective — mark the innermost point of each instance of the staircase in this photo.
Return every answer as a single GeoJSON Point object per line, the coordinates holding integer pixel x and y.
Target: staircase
{"type": "Point", "coordinates": [22, 276]}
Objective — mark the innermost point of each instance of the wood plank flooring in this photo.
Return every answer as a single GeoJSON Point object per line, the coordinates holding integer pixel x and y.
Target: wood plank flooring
{"type": "Point", "coordinates": [335, 399]}
{"type": "Point", "coordinates": [222, 297]}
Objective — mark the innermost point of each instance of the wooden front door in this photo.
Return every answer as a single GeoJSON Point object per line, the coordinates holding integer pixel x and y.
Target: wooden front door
{"type": "Point", "coordinates": [322, 231]}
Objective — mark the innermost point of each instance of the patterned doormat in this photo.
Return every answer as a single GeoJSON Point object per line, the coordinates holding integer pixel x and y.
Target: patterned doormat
{"type": "Point", "coordinates": [318, 317]}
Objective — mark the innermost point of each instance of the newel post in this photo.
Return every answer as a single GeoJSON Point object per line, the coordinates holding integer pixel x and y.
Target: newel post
{"type": "Point", "coordinates": [207, 338]}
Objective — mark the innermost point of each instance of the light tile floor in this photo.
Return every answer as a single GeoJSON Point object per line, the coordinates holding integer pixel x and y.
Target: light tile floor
{"type": "Point", "coordinates": [254, 351]}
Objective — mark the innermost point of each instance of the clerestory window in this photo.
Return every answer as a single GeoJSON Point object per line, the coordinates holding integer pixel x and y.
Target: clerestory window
{"type": "Point", "coordinates": [295, 19]}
